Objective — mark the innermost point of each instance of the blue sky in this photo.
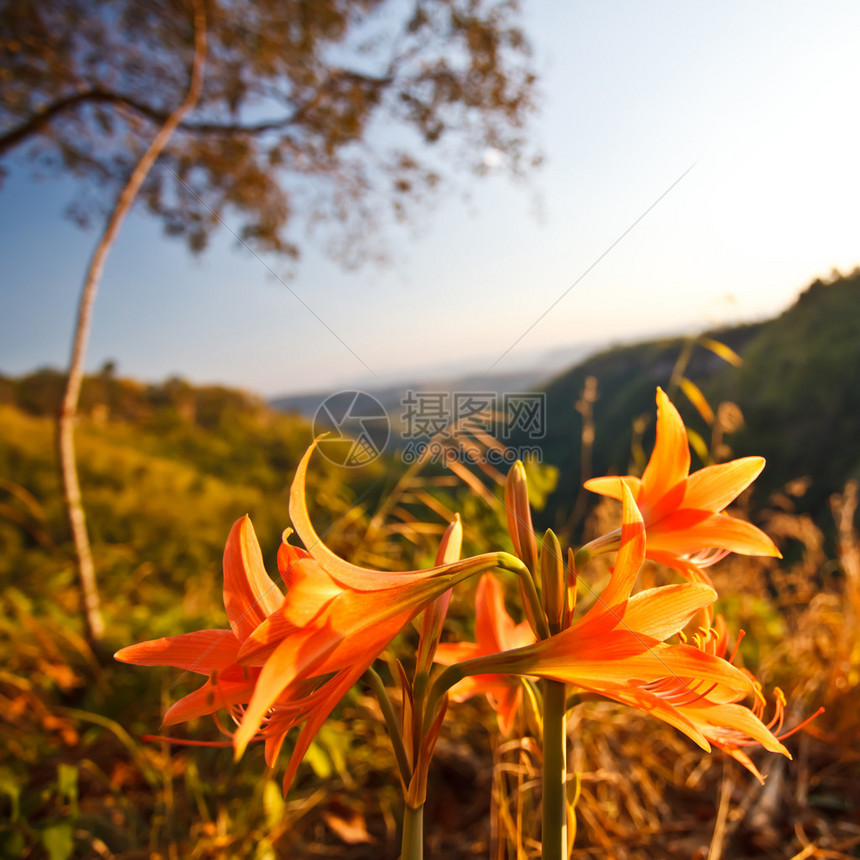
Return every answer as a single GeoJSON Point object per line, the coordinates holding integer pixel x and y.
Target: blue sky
{"type": "Point", "coordinates": [753, 103]}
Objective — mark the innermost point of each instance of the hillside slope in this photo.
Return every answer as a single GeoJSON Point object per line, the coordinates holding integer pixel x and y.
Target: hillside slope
{"type": "Point", "coordinates": [799, 389]}
{"type": "Point", "coordinates": [165, 470]}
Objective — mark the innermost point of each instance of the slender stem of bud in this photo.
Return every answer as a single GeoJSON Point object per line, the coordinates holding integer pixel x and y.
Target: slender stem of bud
{"type": "Point", "coordinates": [514, 662]}
{"type": "Point", "coordinates": [419, 689]}
{"type": "Point", "coordinates": [438, 688]}
{"type": "Point", "coordinates": [605, 543]}
{"type": "Point", "coordinates": [554, 832]}
{"type": "Point", "coordinates": [372, 677]}
{"type": "Point", "coordinates": [514, 565]}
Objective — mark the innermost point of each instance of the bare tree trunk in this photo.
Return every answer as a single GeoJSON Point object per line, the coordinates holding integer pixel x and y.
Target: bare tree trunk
{"type": "Point", "coordinates": [71, 395]}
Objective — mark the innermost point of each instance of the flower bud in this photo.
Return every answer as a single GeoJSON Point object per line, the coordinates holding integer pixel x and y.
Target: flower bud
{"type": "Point", "coordinates": [520, 517]}
{"type": "Point", "coordinates": [552, 573]}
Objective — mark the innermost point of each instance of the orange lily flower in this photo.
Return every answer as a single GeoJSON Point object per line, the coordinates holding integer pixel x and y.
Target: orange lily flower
{"type": "Point", "coordinates": [682, 512]}
{"type": "Point", "coordinates": [495, 631]}
{"type": "Point", "coordinates": [335, 620]}
{"type": "Point", "coordinates": [618, 650]}
{"type": "Point", "coordinates": [288, 661]}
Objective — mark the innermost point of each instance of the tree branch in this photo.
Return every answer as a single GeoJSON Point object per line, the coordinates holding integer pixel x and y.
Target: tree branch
{"type": "Point", "coordinates": [96, 95]}
{"type": "Point", "coordinates": [36, 123]}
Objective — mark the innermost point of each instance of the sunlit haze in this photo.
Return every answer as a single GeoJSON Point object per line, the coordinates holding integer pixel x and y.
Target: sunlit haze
{"type": "Point", "coordinates": [723, 137]}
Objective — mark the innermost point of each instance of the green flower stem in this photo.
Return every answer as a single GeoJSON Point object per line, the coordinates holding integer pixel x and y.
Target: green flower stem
{"type": "Point", "coordinates": [554, 832]}
{"type": "Point", "coordinates": [391, 724]}
{"type": "Point", "coordinates": [412, 847]}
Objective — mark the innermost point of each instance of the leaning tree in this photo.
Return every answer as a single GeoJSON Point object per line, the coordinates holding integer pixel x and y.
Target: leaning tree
{"type": "Point", "coordinates": [323, 113]}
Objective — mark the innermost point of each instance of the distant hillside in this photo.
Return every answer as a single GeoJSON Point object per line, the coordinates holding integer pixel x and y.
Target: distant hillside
{"type": "Point", "coordinates": [799, 391]}
{"type": "Point", "coordinates": [392, 398]}
{"type": "Point", "coordinates": [534, 370]}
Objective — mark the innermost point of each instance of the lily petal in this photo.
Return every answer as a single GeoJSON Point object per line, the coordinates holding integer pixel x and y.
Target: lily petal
{"type": "Point", "coordinates": [320, 713]}
{"type": "Point", "coordinates": [631, 553]}
{"type": "Point", "coordinates": [725, 723]}
{"type": "Point", "coordinates": [349, 575]}
{"type": "Point", "coordinates": [719, 531]}
{"type": "Point", "coordinates": [654, 706]}
{"type": "Point", "coordinates": [285, 665]}
{"type": "Point", "coordinates": [448, 653]}
{"type": "Point", "coordinates": [202, 651]}
{"type": "Point", "coordinates": [208, 699]}
{"type": "Point", "coordinates": [249, 593]}
{"type": "Point", "coordinates": [670, 462]}
{"type": "Point", "coordinates": [662, 612]}
{"type": "Point", "coordinates": [626, 656]}
{"type": "Point", "coordinates": [495, 631]}
{"type": "Point", "coordinates": [714, 487]}
{"type": "Point", "coordinates": [611, 486]}
{"type": "Point", "coordinates": [493, 626]}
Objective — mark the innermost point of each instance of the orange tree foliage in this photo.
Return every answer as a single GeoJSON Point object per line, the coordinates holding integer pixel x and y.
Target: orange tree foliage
{"type": "Point", "coordinates": [323, 111]}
